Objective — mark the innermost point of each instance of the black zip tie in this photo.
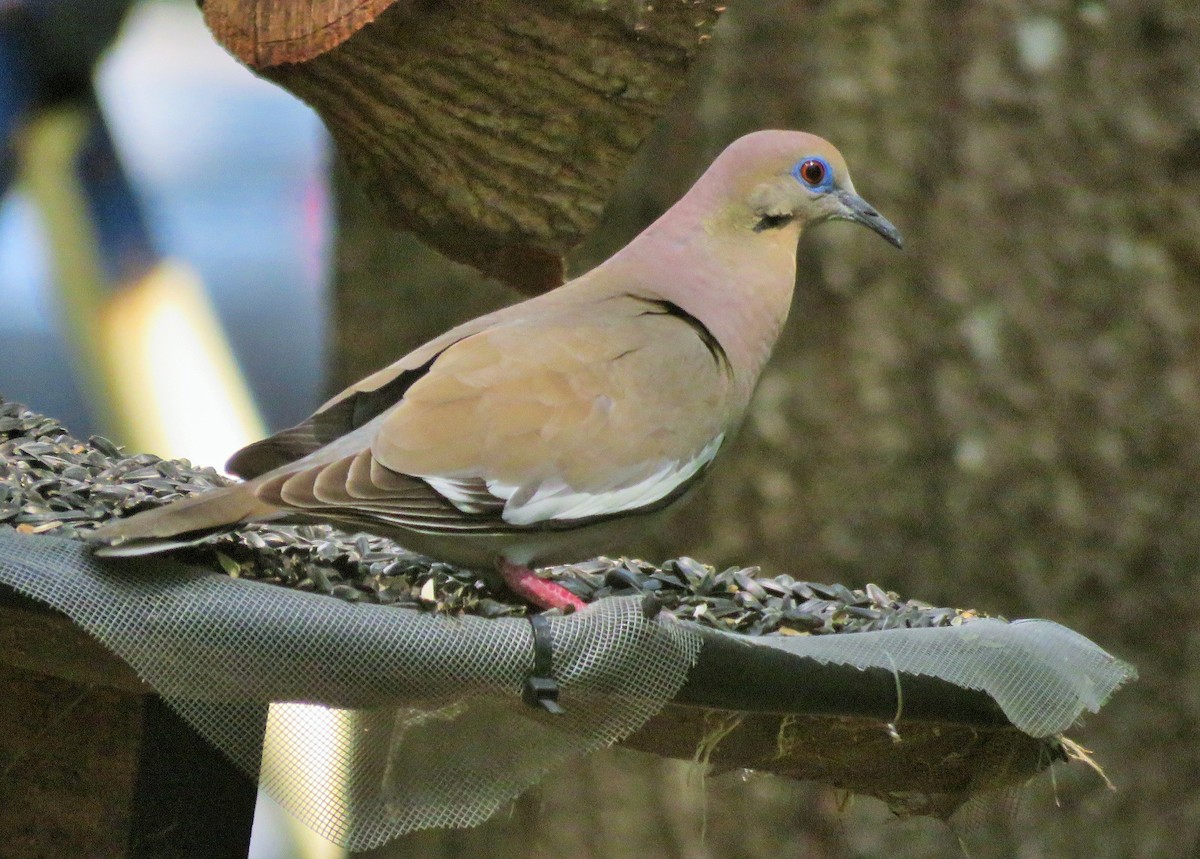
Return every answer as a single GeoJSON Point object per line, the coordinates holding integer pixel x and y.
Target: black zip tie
{"type": "Point", "coordinates": [541, 689]}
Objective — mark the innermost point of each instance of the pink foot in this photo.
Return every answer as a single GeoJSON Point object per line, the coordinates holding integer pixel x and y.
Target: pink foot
{"type": "Point", "coordinates": [543, 593]}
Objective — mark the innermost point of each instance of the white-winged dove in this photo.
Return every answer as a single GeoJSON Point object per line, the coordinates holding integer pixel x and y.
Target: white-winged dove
{"type": "Point", "coordinates": [546, 430]}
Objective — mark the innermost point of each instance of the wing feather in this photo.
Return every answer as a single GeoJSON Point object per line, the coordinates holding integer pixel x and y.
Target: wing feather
{"type": "Point", "coordinates": [517, 428]}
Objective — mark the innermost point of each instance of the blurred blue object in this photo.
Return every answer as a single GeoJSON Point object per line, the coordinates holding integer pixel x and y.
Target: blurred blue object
{"type": "Point", "coordinates": [126, 249]}
{"type": "Point", "coordinates": [47, 51]}
{"type": "Point", "coordinates": [16, 95]}
{"type": "Point", "coordinates": [209, 165]}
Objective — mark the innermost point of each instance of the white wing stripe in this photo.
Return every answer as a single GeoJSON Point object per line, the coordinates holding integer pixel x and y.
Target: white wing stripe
{"type": "Point", "coordinates": [555, 501]}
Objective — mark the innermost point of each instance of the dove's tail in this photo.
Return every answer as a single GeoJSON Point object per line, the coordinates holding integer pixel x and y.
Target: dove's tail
{"type": "Point", "coordinates": [183, 522]}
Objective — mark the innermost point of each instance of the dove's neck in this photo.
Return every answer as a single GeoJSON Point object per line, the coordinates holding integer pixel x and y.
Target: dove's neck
{"type": "Point", "coordinates": [711, 263]}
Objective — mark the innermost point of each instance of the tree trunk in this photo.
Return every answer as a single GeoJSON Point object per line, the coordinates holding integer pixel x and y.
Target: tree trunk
{"type": "Point", "coordinates": [494, 129]}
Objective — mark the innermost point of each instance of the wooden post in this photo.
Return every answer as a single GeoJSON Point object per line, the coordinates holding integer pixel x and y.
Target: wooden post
{"type": "Point", "coordinates": [92, 763]}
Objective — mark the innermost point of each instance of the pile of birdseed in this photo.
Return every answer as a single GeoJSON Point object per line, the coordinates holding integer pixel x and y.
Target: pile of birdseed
{"type": "Point", "coordinates": [53, 483]}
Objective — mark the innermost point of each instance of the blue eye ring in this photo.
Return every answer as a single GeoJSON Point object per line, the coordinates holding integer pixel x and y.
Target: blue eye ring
{"type": "Point", "coordinates": [814, 173]}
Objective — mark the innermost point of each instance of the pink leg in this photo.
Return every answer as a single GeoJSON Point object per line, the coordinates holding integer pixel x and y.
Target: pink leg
{"type": "Point", "coordinates": [543, 593]}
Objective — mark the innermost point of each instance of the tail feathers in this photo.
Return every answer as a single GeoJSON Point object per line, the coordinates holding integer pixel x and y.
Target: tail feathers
{"type": "Point", "coordinates": [135, 546]}
{"type": "Point", "coordinates": [182, 523]}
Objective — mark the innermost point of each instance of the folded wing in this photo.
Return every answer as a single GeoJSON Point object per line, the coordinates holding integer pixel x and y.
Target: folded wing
{"type": "Point", "coordinates": [525, 427]}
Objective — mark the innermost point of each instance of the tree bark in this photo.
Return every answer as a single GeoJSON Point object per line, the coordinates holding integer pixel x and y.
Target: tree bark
{"type": "Point", "coordinates": [493, 129]}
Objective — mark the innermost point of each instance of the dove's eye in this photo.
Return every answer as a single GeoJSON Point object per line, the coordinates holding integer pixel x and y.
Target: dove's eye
{"type": "Point", "coordinates": [813, 172]}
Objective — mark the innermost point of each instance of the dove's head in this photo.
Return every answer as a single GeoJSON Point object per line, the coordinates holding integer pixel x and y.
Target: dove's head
{"type": "Point", "coordinates": [785, 180]}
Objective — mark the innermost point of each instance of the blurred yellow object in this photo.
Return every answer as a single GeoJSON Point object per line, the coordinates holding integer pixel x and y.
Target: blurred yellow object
{"type": "Point", "coordinates": [174, 378]}
{"type": "Point", "coordinates": [151, 352]}
{"type": "Point", "coordinates": [161, 377]}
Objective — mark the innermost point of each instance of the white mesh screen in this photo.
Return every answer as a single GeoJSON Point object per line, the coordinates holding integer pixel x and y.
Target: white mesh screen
{"type": "Point", "coordinates": [397, 720]}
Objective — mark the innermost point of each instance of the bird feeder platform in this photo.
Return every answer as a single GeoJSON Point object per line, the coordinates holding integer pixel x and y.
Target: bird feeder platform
{"type": "Point", "coordinates": [922, 707]}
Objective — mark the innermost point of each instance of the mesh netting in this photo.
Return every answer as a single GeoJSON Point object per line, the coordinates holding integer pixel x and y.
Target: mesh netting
{"type": "Point", "coordinates": [361, 769]}
{"type": "Point", "coordinates": [1042, 674]}
{"type": "Point", "coordinates": [384, 720]}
